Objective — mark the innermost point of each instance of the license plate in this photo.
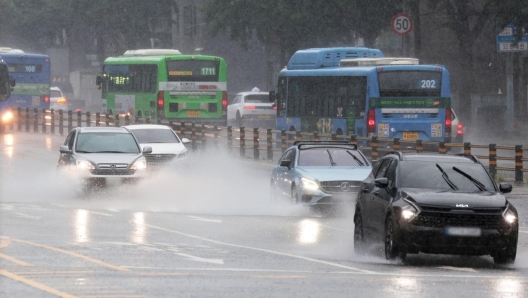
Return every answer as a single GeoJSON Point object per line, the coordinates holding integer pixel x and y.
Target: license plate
{"type": "Point", "coordinates": [193, 113]}
{"type": "Point", "coordinates": [463, 232]}
{"type": "Point", "coordinates": [410, 135]}
{"type": "Point", "coordinates": [264, 116]}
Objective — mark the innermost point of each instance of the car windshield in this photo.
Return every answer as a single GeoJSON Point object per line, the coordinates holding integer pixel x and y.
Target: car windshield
{"type": "Point", "coordinates": [328, 156]}
{"type": "Point", "coordinates": [426, 174]}
{"type": "Point", "coordinates": [261, 98]}
{"type": "Point", "coordinates": [148, 136]}
{"type": "Point", "coordinates": [106, 143]}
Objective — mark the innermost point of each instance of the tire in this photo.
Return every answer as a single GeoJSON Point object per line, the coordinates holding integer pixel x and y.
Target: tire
{"type": "Point", "coordinates": [393, 249]}
{"type": "Point", "coordinates": [507, 256]}
{"type": "Point", "coordinates": [238, 120]}
{"type": "Point", "coordinates": [359, 235]}
{"type": "Point", "coordinates": [294, 194]}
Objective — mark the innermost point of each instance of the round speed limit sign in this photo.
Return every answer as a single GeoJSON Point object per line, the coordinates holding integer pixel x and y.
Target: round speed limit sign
{"type": "Point", "coordinates": [401, 24]}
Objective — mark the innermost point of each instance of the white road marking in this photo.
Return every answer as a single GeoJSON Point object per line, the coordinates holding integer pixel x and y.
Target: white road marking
{"type": "Point", "coordinates": [526, 232]}
{"type": "Point", "coordinates": [7, 207]}
{"type": "Point", "coordinates": [28, 216]}
{"type": "Point", "coordinates": [219, 269]}
{"type": "Point", "coordinates": [113, 210]}
{"type": "Point", "coordinates": [204, 219]}
{"type": "Point", "coordinates": [457, 268]}
{"type": "Point", "coordinates": [261, 250]}
{"type": "Point", "coordinates": [198, 259]}
{"type": "Point", "coordinates": [100, 213]}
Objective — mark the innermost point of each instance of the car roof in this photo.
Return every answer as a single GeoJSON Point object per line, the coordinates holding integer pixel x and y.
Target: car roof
{"type": "Point", "coordinates": [102, 129]}
{"type": "Point", "coordinates": [461, 158]}
{"type": "Point", "coordinates": [55, 88]}
{"type": "Point", "coordinates": [146, 126]}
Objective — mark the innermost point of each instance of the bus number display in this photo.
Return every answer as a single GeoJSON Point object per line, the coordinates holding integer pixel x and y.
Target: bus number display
{"type": "Point", "coordinates": [208, 71]}
{"type": "Point", "coordinates": [25, 68]}
{"type": "Point", "coordinates": [428, 84]}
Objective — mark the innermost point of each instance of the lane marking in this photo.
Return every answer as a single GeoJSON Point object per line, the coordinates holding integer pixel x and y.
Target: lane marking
{"type": "Point", "coordinates": [59, 205]}
{"type": "Point", "coordinates": [95, 261]}
{"type": "Point", "coordinates": [526, 232]}
{"type": "Point", "coordinates": [113, 210]}
{"type": "Point", "coordinates": [457, 268]}
{"type": "Point", "coordinates": [4, 242]}
{"type": "Point", "coordinates": [36, 284]}
{"type": "Point", "coordinates": [278, 276]}
{"type": "Point", "coordinates": [16, 261]}
{"type": "Point", "coordinates": [198, 259]}
{"type": "Point", "coordinates": [204, 219]}
{"type": "Point", "coordinates": [27, 216]}
{"type": "Point", "coordinates": [100, 213]}
{"type": "Point", "coordinates": [222, 269]}
{"type": "Point", "coordinates": [260, 249]}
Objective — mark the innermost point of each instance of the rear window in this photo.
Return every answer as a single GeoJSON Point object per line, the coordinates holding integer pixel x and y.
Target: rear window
{"type": "Point", "coordinates": [425, 174]}
{"type": "Point", "coordinates": [321, 157]}
{"type": "Point", "coordinates": [148, 136]}
{"type": "Point", "coordinates": [260, 98]}
{"type": "Point", "coordinates": [106, 143]}
{"type": "Point", "coordinates": [55, 93]}
{"type": "Point", "coordinates": [409, 83]}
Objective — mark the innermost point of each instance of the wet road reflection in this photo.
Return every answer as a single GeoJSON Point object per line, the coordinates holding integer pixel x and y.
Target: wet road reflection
{"type": "Point", "coordinates": [9, 141]}
{"type": "Point", "coordinates": [82, 218]}
{"type": "Point", "coordinates": [139, 231]}
{"type": "Point", "coordinates": [308, 231]}
{"type": "Point", "coordinates": [513, 287]}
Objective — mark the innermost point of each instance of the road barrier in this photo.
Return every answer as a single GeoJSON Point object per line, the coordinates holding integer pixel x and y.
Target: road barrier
{"type": "Point", "coordinates": [276, 141]}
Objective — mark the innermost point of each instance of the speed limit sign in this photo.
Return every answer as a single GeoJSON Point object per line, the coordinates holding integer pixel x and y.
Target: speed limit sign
{"type": "Point", "coordinates": [401, 24]}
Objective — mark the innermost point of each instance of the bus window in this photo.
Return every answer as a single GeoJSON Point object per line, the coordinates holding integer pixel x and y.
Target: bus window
{"type": "Point", "coordinates": [409, 83]}
{"type": "Point", "coordinates": [132, 78]}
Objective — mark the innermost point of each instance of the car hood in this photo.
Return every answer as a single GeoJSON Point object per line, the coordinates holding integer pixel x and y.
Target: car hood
{"type": "Point", "coordinates": [484, 199]}
{"type": "Point", "coordinates": [98, 158]}
{"type": "Point", "coordinates": [165, 148]}
{"type": "Point", "coordinates": [335, 173]}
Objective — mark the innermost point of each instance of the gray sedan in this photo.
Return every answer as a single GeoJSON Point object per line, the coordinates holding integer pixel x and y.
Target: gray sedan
{"type": "Point", "coordinates": [319, 173]}
{"type": "Point", "coordinates": [100, 154]}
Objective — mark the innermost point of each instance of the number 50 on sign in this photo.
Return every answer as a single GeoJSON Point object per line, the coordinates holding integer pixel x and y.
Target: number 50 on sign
{"type": "Point", "coordinates": [401, 24]}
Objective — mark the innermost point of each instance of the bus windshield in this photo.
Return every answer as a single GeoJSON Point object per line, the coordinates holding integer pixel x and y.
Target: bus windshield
{"type": "Point", "coordinates": [409, 83]}
{"type": "Point", "coordinates": [192, 71]}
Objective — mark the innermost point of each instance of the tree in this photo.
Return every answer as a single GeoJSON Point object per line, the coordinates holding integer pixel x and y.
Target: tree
{"type": "Point", "coordinates": [511, 12]}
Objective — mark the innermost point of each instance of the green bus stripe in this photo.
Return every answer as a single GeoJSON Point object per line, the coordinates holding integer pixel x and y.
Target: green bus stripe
{"type": "Point", "coordinates": [32, 89]}
{"type": "Point", "coordinates": [409, 102]}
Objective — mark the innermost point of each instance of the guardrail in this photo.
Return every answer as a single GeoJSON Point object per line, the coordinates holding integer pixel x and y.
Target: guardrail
{"type": "Point", "coordinates": [250, 143]}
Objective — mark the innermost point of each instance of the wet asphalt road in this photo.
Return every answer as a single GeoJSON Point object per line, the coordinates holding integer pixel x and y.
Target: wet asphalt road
{"type": "Point", "coordinates": [208, 231]}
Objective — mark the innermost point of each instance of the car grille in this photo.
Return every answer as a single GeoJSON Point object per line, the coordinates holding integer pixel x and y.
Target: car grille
{"type": "Point", "coordinates": [442, 219]}
{"type": "Point", "coordinates": [160, 157]}
{"type": "Point", "coordinates": [112, 169]}
{"type": "Point", "coordinates": [340, 186]}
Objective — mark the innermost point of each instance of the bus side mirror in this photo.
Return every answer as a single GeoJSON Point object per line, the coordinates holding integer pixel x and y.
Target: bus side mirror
{"type": "Point", "coordinates": [272, 96]}
{"type": "Point", "coordinates": [12, 81]}
{"type": "Point", "coordinates": [99, 82]}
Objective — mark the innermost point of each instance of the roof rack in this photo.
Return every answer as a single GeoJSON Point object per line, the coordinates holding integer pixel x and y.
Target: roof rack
{"type": "Point", "coordinates": [400, 154]}
{"type": "Point", "coordinates": [338, 143]}
{"type": "Point", "coordinates": [10, 50]}
{"type": "Point", "coordinates": [379, 61]}
{"type": "Point", "coordinates": [151, 52]}
{"type": "Point", "coordinates": [470, 156]}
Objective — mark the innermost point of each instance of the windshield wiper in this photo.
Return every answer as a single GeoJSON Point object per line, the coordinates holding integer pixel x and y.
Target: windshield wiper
{"type": "Point", "coordinates": [446, 178]}
{"type": "Point", "coordinates": [110, 152]}
{"type": "Point", "coordinates": [355, 158]}
{"type": "Point", "coordinates": [477, 183]}
{"type": "Point", "coordinates": [331, 159]}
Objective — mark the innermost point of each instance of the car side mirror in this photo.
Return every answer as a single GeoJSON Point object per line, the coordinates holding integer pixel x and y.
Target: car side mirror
{"type": "Point", "coordinates": [271, 96]}
{"type": "Point", "coordinates": [99, 82]}
{"type": "Point", "coordinates": [64, 149]}
{"type": "Point", "coordinates": [185, 141]}
{"type": "Point", "coordinates": [147, 150]}
{"type": "Point", "coordinates": [505, 187]}
{"type": "Point", "coordinates": [285, 163]}
{"type": "Point", "coordinates": [381, 182]}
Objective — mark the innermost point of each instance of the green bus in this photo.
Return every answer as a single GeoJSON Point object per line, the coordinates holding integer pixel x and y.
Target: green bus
{"type": "Point", "coordinates": [164, 84]}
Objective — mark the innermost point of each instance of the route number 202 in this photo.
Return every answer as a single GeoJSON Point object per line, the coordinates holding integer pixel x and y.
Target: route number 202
{"type": "Point", "coordinates": [428, 84]}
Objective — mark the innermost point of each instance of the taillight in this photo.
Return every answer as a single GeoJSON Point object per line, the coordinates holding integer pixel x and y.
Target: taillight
{"type": "Point", "coordinates": [250, 107]}
{"type": "Point", "coordinates": [45, 98]}
{"type": "Point", "coordinates": [448, 122]}
{"type": "Point", "coordinates": [371, 122]}
{"type": "Point", "coordinates": [460, 129]}
{"type": "Point", "coordinates": [161, 103]}
{"type": "Point", "coordinates": [275, 108]}
{"type": "Point", "coordinates": [224, 101]}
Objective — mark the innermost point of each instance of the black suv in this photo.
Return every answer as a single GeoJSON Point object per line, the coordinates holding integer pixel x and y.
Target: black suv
{"type": "Point", "coordinates": [439, 204]}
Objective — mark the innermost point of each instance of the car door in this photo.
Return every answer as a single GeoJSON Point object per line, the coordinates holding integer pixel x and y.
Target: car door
{"type": "Point", "coordinates": [366, 196]}
{"type": "Point", "coordinates": [286, 175]}
{"type": "Point", "coordinates": [382, 198]}
{"type": "Point", "coordinates": [371, 212]}
{"type": "Point", "coordinates": [231, 108]}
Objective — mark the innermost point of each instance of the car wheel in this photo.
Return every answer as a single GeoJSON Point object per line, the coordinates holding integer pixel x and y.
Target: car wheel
{"type": "Point", "coordinates": [359, 236]}
{"type": "Point", "coordinates": [392, 247]}
{"type": "Point", "coordinates": [238, 120]}
{"type": "Point", "coordinates": [506, 256]}
{"type": "Point", "coordinates": [294, 194]}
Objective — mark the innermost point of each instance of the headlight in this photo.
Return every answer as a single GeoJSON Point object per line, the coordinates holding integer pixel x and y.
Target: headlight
{"type": "Point", "coordinates": [509, 216]}
{"type": "Point", "coordinates": [408, 212]}
{"type": "Point", "coordinates": [7, 116]}
{"type": "Point", "coordinates": [84, 164]}
{"type": "Point", "coordinates": [139, 164]}
{"type": "Point", "coordinates": [309, 184]}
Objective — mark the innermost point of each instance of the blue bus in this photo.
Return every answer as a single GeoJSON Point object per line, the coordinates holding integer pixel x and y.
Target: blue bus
{"type": "Point", "coordinates": [32, 75]}
{"type": "Point", "coordinates": [359, 91]}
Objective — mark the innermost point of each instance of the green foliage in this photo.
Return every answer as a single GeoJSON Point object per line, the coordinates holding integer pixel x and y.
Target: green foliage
{"type": "Point", "coordinates": [511, 12]}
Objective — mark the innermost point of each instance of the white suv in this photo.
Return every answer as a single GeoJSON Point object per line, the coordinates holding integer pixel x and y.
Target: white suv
{"type": "Point", "coordinates": [252, 109]}
{"type": "Point", "coordinates": [57, 99]}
